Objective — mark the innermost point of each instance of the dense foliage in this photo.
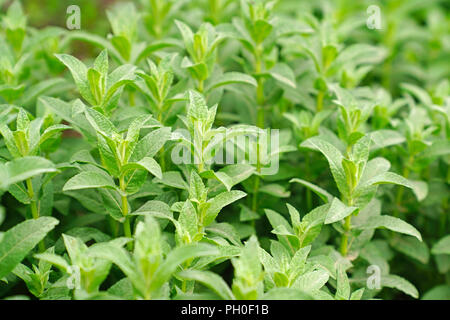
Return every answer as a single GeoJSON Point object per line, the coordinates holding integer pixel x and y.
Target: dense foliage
{"type": "Point", "coordinates": [349, 200]}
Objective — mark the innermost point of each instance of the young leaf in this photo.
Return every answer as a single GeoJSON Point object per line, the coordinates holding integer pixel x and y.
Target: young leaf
{"type": "Point", "coordinates": [334, 158]}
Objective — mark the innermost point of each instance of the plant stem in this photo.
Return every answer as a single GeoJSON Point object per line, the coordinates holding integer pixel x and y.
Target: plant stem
{"type": "Point", "coordinates": [344, 240]}
{"type": "Point", "coordinates": [33, 205]}
{"type": "Point", "coordinates": [127, 232]}
{"type": "Point", "coordinates": [200, 87]}
{"type": "Point", "coordinates": [126, 223]}
{"type": "Point", "coordinates": [34, 209]}
{"type": "Point", "coordinates": [260, 120]}
{"type": "Point", "coordinates": [255, 194]}
{"type": "Point", "coordinates": [319, 104]}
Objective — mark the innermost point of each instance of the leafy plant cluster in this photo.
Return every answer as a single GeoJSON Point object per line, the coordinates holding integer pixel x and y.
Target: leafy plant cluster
{"type": "Point", "coordinates": [94, 206]}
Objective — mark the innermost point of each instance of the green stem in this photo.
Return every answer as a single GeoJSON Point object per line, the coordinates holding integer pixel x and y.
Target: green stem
{"type": "Point", "coordinates": [200, 87]}
{"type": "Point", "coordinates": [255, 194]}
{"type": "Point", "coordinates": [184, 282]}
{"type": "Point", "coordinates": [260, 118]}
{"type": "Point", "coordinates": [125, 211]}
{"type": "Point", "coordinates": [33, 205]}
{"type": "Point", "coordinates": [34, 209]}
{"type": "Point", "coordinates": [114, 225]}
{"type": "Point", "coordinates": [260, 121]}
{"type": "Point", "coordinates": [127, 232]}
{"type": "Point", "coordinates": [319, 104]}
{"type": "Point", "coordinates": [344, 240]}
{"type": "Point", "coordinates": [260, 86]}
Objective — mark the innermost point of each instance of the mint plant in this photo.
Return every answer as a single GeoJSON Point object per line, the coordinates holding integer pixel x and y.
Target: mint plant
{"type": "Point", "coordinates": [217, 149]}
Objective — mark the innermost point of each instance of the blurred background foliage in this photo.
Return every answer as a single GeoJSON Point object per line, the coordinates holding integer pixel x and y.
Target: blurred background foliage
{"type": "Point", "coordinates": [414, 32]}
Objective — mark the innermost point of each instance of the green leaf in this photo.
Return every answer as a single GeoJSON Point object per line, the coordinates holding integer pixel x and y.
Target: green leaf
{"type": "Point", "coordinates": [148, 164]}
{"type": "Point", "coordinates": [385, 138]}
{"type": "Point", "coordinates": [231, 78]}
{"type": "Point", "coordinates": [197, 108]}
{"type": "Point", "coordinates": [155, 207]}
{"type": "Point", "coordinates": [51, 131]}
{"type": "Point", "coordinates": [411, 247]}
{"type": "Point", "coordinates": [311, 281]}
{"type": "Point", "coordinates": [222, 177]}
{"type": "Point", "coordinates": [187, 34]}
{"type": "Point", "coordinates": [210, 280]}
{"type": "Point", "coordinates": [54, 259]}
{"type": "Point", "coordinates": [323, 194]}
{"type": "Point", "coordinates": [275, 190]}
{"type": "Point", "coordinates": [334, 158]}
{"type": "Point", "coordinates": [220, 201]}
{"type": "Point", "coordinates": [442, 246]}
{"type": "Point", "coordinates": [100, 123]}
{"type": "Point", "coordinates": [357, 295]}
{"type": "Point", "coordinates": [27, 167]}
{"type": "Point", "coordinates": [419, 188]}
{"type": "Point", "coordinates": [188, 220]}
{"type": "Point", "coordinates": [399, 283]}
{"type": "Point", "coordinates": [283, 73]}
{"type": "Point", "coordinates": [247, 214]}
{"type": "Point", "coordinates": [21, 239]}
{"type": "Point", "coordinates": [116, 255]}
{"type": "Point", "coordinates": [441, 292]}
{"type": "Point", "coordinates": [298, 262]}
{"type": "Point", "coordinates": [9, 140]}
{"type": "Point", "coordinates": [420, 93]}
{"type": "Point", "coordinates": [437, 149]}
{"type": "Point", "coordinates": [176, 257]}
{"type": "Point", "coordinates": [225, 230]}
{"type": "Point", "coordinates": [338, 211]}
{"type": "Point", "coordinates": [343, 285]}
{"type": "Point", "coordinates": [173, 179]}
{"type": "Point", "coordinates": [79, 74]}
{"type": "Point", "coordinates": [286, 294]}
{"type": "Point", "coordinates": [88, 180]}
{"type": "Point", "coordinates": [391, 223]}
{"type": "Point", "coordinates": [197, 190]}
{"type": "Point", "coordinates": [149, 145]}
{"type": "Point", "coordinates": [101, 63]}
{"type": "Point", "coordinates": [280, 226]}
{"type": "Point", "coordinates": [314, 221]}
